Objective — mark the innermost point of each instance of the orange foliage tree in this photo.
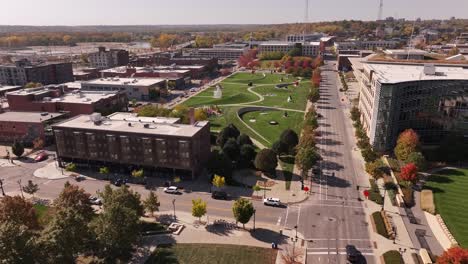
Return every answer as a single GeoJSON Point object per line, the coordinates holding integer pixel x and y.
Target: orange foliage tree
{"type": "Point", "coordinates": [454, 255]}
{"type": "Point", "coordinates": [407, 143]}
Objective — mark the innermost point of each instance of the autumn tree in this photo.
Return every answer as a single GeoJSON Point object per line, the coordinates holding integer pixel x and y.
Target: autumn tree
{"type": "Point", "coordinates": [138, 173]}
{"type": "Point", "coordinates": [409, 172]}
{"type": "Point", "coordinates": [218, 181]}
{"type": "Point", "coordinates": [164, 41]}
{"type": "Point", "coordinates": [375, 168]}
{"type": "Point", "coordinates": [17, 210]}
{"type": "Point", "coordinates": [249, 59]}
{"type": "Point", "coordinates": [151, 203]}
{"type": "Point", "coordinates": [198, 208]}
{"type": "Point", "coordinates": [306, 158]}
{"type": "Point", "coordinates": [408, 142]}
{"type": "Point", "coordinates": [455, 255]}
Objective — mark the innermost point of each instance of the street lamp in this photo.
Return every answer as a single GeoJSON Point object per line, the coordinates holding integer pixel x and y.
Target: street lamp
{"type": "Point", "coordinates": [254, 211]}
{"type": "Point", "coordinates": [173, 205]}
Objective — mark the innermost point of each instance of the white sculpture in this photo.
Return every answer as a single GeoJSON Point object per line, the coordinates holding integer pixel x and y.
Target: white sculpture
{"type": "Point", "coordinates": [217, 92]}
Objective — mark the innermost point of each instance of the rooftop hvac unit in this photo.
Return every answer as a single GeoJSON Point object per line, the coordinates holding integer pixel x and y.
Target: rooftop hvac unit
{"type": "Point", "coordinates": [95, 117]}
{"type": "Point", "coordinates": [429, 69]}
{"type": "Point", "coordinates": [146, 126]}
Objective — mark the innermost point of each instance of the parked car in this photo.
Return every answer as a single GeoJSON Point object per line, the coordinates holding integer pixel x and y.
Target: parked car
{"type": "Point", "coordinates": [79, 178]}
{"type": "Point", "coordinates": [41, 156]}
{"type": "Point", "coordinates": [95, 200]}
{"type": "Point", "coordinates": [119, 182]}
{"type": "Point", "coordinates": [171, 189]}
{"type": "Point", "coordinates": [272, 201]}
{"type": "Point", "coordinates": [352, 254]}
{"type": "Point", "coordinates": [219, 195]}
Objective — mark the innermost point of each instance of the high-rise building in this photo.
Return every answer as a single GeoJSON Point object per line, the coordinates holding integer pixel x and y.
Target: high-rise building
{"type": "Point", "coordinates": [104, 59]}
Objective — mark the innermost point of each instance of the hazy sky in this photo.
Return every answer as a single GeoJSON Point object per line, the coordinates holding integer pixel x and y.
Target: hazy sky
{"type": "Point", "coordinates": [132, 12]}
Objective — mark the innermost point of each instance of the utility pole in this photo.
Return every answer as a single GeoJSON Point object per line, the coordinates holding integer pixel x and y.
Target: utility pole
{"type": "Point", "coordinates": [21, 188]}
{"type": "Point", "coordinates": [1, 187]}
{"type": "Point", "coordinates": [173, 205]}
{"type": "Point", "coordinates": [254, 219]}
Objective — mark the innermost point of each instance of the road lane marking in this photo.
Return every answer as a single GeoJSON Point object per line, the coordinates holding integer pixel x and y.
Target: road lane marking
{"type": "Point", "coordinates": [279, 221]}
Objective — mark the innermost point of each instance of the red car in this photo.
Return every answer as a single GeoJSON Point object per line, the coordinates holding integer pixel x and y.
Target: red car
{"type": "Point", "coordinates": [40, 157]}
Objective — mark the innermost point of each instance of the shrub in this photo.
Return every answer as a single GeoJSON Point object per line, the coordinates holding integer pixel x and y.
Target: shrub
{"type": "Point", "coordinates": [379, 224]}
{"type": "Point", "coordinates": [375, 168]}
{"type": "Point", "coordinates": [369, 155]}
{"type": "Point", "coordinates": [266, 160]}
{"type": "Point", "coordinates": [374, 193]}
{"type": "Point", "coordinates": [408, 197]}
{"type": "Point", "coordinates": [427, 201]}
{"type": "Point", "coordinates": [409, 172]}
{"type": "Point", "coordinates": [394, 164]}
{"type": "Point", "coordinates": [418, 159]}
{"type": "Point", "coordinates": [355, 113]}
{"type": "Point", "coordinates": [393, 257]}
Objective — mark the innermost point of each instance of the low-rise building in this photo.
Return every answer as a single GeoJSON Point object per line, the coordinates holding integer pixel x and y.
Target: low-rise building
{"type": "Point", "coordinates": [27, 126]}
{"type": "Point", "coordinates": [123, 140]}
{"type": "Point", "coordinates": [8, 88]}
{"type": "Point", "coordinates": [134, 88]}
{"type": "Point", "coordinates": [56, 99]}
{"type": "Point", "coordinates": [24, 71]}
{"type": "Point", "coordinates": [406, 54]}
{"type": "Point", "coordinates": [394, 96]}
{"type": "Point", "coordinates": [104, 59]}
{"type": "Point", "coordinates": [366, 45]}
{"type": "Point", "coordinates": [311, 49]}
{"type": "Point", "coordinates": [221, 53]}
{"type": "Point", "coordinates": [312, 37]}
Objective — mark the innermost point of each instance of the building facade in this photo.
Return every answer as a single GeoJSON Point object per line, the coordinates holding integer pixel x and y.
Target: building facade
{"type": "Point", "coordinates": [432, 100]}
{"type": "Point", "coordinates": [27, 126]}
{"type": "Point", "coordinates": [310, 49]}
{"type": "Point", "coordinates": [24, 72]}
{"type": "Point", "coordinates": [122, 140]}
{"type": "Point", "coordinates": [366, 45]}
{"type": "Point", "coordinates": [104, 59]}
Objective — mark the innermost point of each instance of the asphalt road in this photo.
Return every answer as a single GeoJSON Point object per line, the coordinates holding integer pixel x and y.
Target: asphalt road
{"type": "Point", "coordinates": [333, 217]}
{"type": "Point", "coordinates": [50, 189]}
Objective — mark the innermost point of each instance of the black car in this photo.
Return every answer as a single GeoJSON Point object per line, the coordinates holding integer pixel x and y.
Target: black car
{"type": "Point", "coordinates": [352, 254]}
{"type": "Point", "coordinates": [219, 195]}
{"type": "Point", "coordinates": [119, 182]}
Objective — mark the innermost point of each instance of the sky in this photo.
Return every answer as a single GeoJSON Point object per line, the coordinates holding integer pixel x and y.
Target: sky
{"type": "Point", "coordinates": [176, 12]}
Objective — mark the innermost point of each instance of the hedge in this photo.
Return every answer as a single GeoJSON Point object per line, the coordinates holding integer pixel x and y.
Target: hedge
{"type": "Point", "coordinates": [374, 193]}
{"type": "Point", "coordinates": [379, 224]}
{"type": "Point", "coordinates": [392, 257]}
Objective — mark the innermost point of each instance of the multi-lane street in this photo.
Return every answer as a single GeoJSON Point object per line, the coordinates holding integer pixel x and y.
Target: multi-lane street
{"type": "Point", "coordinates": [333, 217]}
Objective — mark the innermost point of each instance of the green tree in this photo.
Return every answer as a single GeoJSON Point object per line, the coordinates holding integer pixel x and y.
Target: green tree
{"type": "Point", "coordinates": [104, 171]}
{"type": "Point", "coordinates": [247, 154]}
{"type": "Point", "coordinates": [230, 131]}
{"type": "Point", "coordinates": [117, 231]}
{"type": "Point", "coordinates": [220, 164]}
{"type": "Point", "coordinates": [198, 208]}
{"type": "Point", "coordinates": [408, 142]}
{"type": "Point", "coordinates": [151, 203]}
{"type": "Point", "coordinates": [17, 149]}
{"type": "Point", "coordinates": [290, 138]}
{"type": "Point", "coordinates": [369, 155]}
{"type": "Point", "coordinates": [218, 181]}
{"type": "Point", "coordinates": [122, 196]}
{"type": "Point", "coordinates": [243, 210]}
{"type": "Point", "coordinates": [70, 167]}
{"type": "Point", "coordinates": [266, 160]}
{"type": "Point", "coordinates": [314, 95]}
{"type": "Point", "coordinates": [31, 188]}
{"type": "Point", "coordinates": [355, 113]}
{"type": "Point", "coordinates": [75, 198]}
{"type": "Point", "coordinates": [17, 243]}
{"type": "Point", "coordinates": [418, 159]}
{"type": "Point", "coordinates": [231, 149]}
{"type": "Point", "coordinates": [306, 158]}
{"type": "Point", "coordinates": [243, 139]}
{"type": "Point", "coordinates": [279, 147]}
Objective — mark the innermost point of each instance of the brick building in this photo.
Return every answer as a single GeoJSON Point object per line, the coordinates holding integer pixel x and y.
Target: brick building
{"type": "Point", "coordinates": [23, 72]}
{"type": "Point", "coordinates": [26, 126]}
{"type": "Point", "coordinates": [54, 99]}
{"type": "Point", "coordinates": [104, 59]}
{"type": "Point", "coordinates": [123, 140]}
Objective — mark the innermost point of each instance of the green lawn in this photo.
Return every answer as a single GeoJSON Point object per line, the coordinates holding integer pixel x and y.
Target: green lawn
{"type": "Point", "coordinates": [451, 200]}
{"type": "Point", "coordinates": [42, 213]}
{"type": "Point", "coordinates": [212, 254]}
{"type": "Point", "coordinates": [272, 132]}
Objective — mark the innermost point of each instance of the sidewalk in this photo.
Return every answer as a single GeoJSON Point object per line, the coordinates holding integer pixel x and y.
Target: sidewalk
{"type": "Point", "coordinates": [263, 236]}
{"type": "Point", "coordinates": [52, 172]}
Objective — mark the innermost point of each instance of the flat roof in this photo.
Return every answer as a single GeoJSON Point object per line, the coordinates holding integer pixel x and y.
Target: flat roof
{"type": "Point", "coordinates": [7, 88]}
{"type": "Point", "coordinates": [125, 81]}
{"type": "Point", "coordinates": [133, 117]}
{"type": "Point", "coordinates": [119, 126]}
{"type": "Point", "coordinates": [396, 73]}
{"type": "Point", "coordinates": [405, 52]}
{"type": "Point", "coordinates": [29, 117]}
{"type": "Point", "coordinates": [84, 97]}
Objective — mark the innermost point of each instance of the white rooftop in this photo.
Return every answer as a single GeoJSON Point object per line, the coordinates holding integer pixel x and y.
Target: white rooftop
{"type": "Point", "coordinates": [119, 126]}
{"type": "Point", "coordinates": [8, 87]}
{"type": "Point", "coordinates": [133, 117]}
{"type": "Point", "coordinates": [405, 52]}
{"type": "Point", "coordinates": [138, 82]}
{"type": "Point", "coordinates": [84, 97]}
{"type": "Point", "coordinates": [397, 73]}
{"type": "Point", "coordinates": [29, 117]}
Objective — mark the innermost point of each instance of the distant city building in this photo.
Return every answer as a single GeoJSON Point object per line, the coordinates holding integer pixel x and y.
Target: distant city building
{"type": "Point", "coordinates": [134, 88]}
{"type": "Point", "coordinates": [462, 39]}
{"type": "Point", "coordinates": [311, 49]}
{"type": "Point", "coordinates": [84, 74]}
{"type": "Point", "coordinates": [24, 71]}
{"type": "Point", "coordinates": [366, 45]}
{"type": "Point", "coordinates": [27, 126]}
{"type": "Point", "coordinates": [123, 139]}
{"type": "Point", "coordinates": [221, 53]}
{"type": "Point", "coordinates": [103, 59]}
{"type": "Point", "coordinates": [313, 37]}
{"type": "Point", "coordinates": [431, 99]}
{"type": "Point", "coordinates": [56, 99]}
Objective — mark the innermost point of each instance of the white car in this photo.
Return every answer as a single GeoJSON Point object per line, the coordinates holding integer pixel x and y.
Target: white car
{"type": "Point", "coordinates": [171, 189]}
{"type": "Point", "coordinates": [272, 201]}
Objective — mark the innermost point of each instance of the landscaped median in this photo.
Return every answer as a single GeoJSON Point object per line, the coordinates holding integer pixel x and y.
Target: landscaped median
{"type": "Point", "coordinates": [392, 257]}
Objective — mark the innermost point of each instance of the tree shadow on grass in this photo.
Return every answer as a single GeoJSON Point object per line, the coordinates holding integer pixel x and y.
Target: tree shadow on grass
{"type": "Point", "coordinates": [287, 159]}
{"type": "Point", "coordinates": [439, 179]}
{"type": "Point", "coordinates": [164, 254]}
{"type": "Point", "coordinates": [434, 189]}
{"type": "Point", "coordinates": [268, 236]}
{"type": "Point", "coordinates": [221, 230]}
{"type": "Point", "coordinates": [451, 172]}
